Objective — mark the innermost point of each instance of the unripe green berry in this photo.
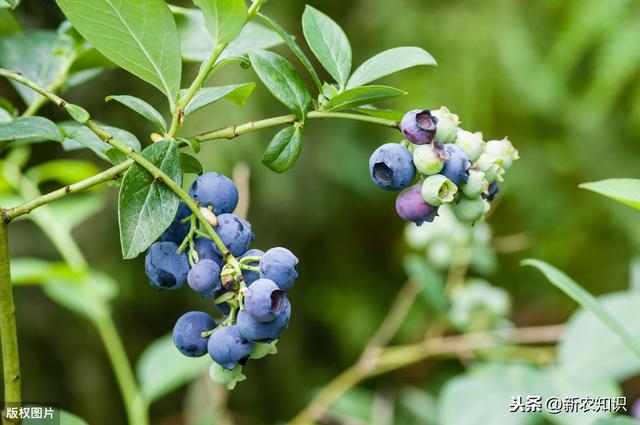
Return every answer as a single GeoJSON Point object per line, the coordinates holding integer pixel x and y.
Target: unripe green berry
{"type": "Point", "coordinates": [227, 377]}
{"type": "Point", "coordinates": [503, 151]}
{"type": "Point", "coordinates": [429, 159]}
{"type": "Point", "coordinates": [470, 210]}
{"type": "Point", "coordinates": [491, 166]}
{"type": "Point", "coordinates": [437, 190]}
{"type": "Point", "coordinates": [447, 127]}
{"type": "Point", "coordinates": [476, 185]}
{"type": "Point", "coordinates": [471, 143]}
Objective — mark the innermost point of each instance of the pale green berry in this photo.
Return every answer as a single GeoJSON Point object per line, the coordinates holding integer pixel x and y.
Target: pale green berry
{"type": "Point", "coordinates": [263, 349]}
{"type": "Point", "coordinates": [429, 159]}
{"type": "Point", "coordinates": [503, 151]}
{"type": "Point", "coordinates": [476, 185]}
{"type": "Point", "coordinates": [227, 377]}
{"type": "Point", "coordinates": [491, 166]}
{"type": "Point", "coordinates": [470, 210]}
{"type": "Point", "coordinates": [471, 143]}
{"type": "Point", "coordinates": [447, 127]}
{"type": "Point", "coordinates": [437, 190]}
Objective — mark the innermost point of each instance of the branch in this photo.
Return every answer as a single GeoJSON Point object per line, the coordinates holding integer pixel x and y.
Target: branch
{"type": "Point", "coordinates": [393, 358]}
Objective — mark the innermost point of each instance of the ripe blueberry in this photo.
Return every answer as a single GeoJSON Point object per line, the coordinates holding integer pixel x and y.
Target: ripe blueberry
{"type": "Point", "coordinates": [204, 277]}
{"type": "Point", "coordinates": [411, 207]}
{"type": "Point", "coordinates": [419, 127]}
{"type": "Point", "coordinates": [251, 276]}
{"type": "Point", "coordinates": [256, 331]}
{"type": "Point", "coordinates": [165, 268]}
{"type": "Point", "coordinates": [187, 333]}
{"type": "Point", "coordinates": [279, 265]}
{"type": "Point", "coordinates": [456, 167]}
{"type": "Point", "coordinates": [235, 233]}
{"type": "Point", "coordinates": [206, 250]}
{"type": "Point", "coordinates": [264, 300]}
{"type": "Point", "coordinates": [227, 348]}
{"type": "Point", "coordinates": [429, 159]}
{"type": "Point", "coordinates": [213, 189]}
{"type": "Point", "coordinates": [177, 231]}
{"type": "Point", "coordinates": [391, 167]}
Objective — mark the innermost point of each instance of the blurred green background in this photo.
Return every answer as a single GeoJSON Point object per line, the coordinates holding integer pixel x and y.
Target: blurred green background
{"type": "Point", "coordinates": [559, 78]}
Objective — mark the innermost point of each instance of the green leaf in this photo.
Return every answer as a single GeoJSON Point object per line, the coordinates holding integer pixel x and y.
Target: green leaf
{"type": "Point", "coordinates": [419, 403]}
{"type": "Point", "coordinates": [224, 18]}
{"type": "Point", "coordinates": [389, 62]}
{"type": "Point", "coordinates": [486, 392]}
{"type": "Point", "coordinates": [626, 191]}
{"type": "Point", "coordinates": [429, 280]}
{"type": "Point", "coordinates": [8, 22]}
{"type": "Point", "coordinates": [146, 207]}
{"type": "Point", "coordinates": [586, 300]}
{"type": "Point", "coordinates": [139, 36]}
{"type": "Point", "coordinates": [35, 271]}
{"type": "Point", "coordinates": [66, 418]}
{"type": "Point", "coordinates": [190, 164]}
{"type": "Point", "coordinates": [25, 130]}
{"type": "Point", "coordinates": [282, 79]}
{"type": "Point", "coordinates": [72, 211]}
{"type": "Point", "coordinates": [329, 43]}
{"type": "Point", "coordinates": [65, 171]}
{"type": "Point", "coordinates": [237, 93]}
{"type": "Point", "coordinates": [142, 108]}
{"type": "Point", "coordinates": [87, 295]}
{"type": "Point", "coordinates": [78, 113]}
{"type": "Point", "coordinates": [191, 142]}
{"type": "Point", "coordinates": [39, 56]}
{"type": "Point", "coordinates": [362, 96]}
{"type": "Point", "coordinates": [5, 116]}
{"type": "Point", "coordinates": [284, 149]}
{"type": "Point", "coordinates": [77, 136]}
{"type": "Point", "coordinates": [617, 420]}
{"type": "Point", "coordinates": [162, 369]}
{"type": "Point", "coordinates": [12, 4]}
{"type": "Point", "coordinates": [587, 341]}
{"type": "Point", "coordinates": [291, 43]}
{"type": "Point", "coordinates": [196, 43]}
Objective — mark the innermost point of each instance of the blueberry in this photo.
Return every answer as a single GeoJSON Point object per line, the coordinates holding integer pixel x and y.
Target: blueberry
{"type": "Point", "coordinates": [419, 127]}
{"type": "Point", "coordinates": [235, 233]}
{"type": "Point", "coordinates": [177, 231]}
{"type": "Point", "coordinates": [471, 143]}
{"type": "Point", "coordinates": [503, 151]}
{"type": "Point", "coordinates": [213, 189]}
{"type": "Point", "coordinates": [256, 331]}
{"type": "Point", "coordinates": [207, 250]}
{"type": "Point", "coordinates": [279, 265]}
{"type": "Point", "coordinates": [447, 125]}
{"type": "Point", "coordinates": [470, 210]}
{"type": "Point", "coordinates": [456, 167]}
{"type": "Point", "coordinates": [227, 347]}
{"type": "Point", "coordinates": [204, 277]}
{"type": "Point", "coordinates": [429, 159]}
{"type": "Point", "coordinates": [411, 207]}
{"type": "Point", "coordinates": [263, 300]}
{"type": "Point", "coordinates": [165, 268]}
{"type": "Point", "coordinates": [251, 276]}
{"type": "Point", "coordinates": [437, 190]}
{"type": "Point", "coordinates": [187, 333]}
{"type": "Point", "coordinates": [476, 185]}
{"type": "Point", "coordinates": [491, 193]}
{"type": "Point", "coordinates": [391, 167]}
{"type": "Point", "coordinates": [223, 308]}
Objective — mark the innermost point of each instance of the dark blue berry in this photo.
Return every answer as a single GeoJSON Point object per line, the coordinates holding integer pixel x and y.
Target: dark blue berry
{"type": "Point", "coordinates": [456, 166]}
{"type": "Point", "coordinates": [227, 348]}
{"type": "Point", "coordinates": [419, 127]}
{"type": "Point", "coordinates": [165, 268]}
{"type": "Point", "coordinates": [206, 250]}
{"type": "Point", "coordinates": [391, 167]}
{"type": "Point", "coordinates": [235, 233]}
{"type": "Point", "coordinates": [412, 207]}
{"type": "Point", "coordinates": [213, 189]}
{"type": "Point", "coordinates": [279, 265]}
{"type": "Point", "coordinates": [187, 333]}
{"type": "Point", "coordinates": [177, 231]}
{"type": "Point", "coordinates": [251, 276]}
{"type": "Point", "coordinates": [204, 277]}
{"type": "Point", "coordinates": [256, 331]}
{"type": "Point", "coordinates": [490, 195]}
{"type": "Point", "coordinates": [264, 300]}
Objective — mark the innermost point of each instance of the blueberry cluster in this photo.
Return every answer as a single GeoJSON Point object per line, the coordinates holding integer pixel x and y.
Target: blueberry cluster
{"type": "Point", "coordinates": [248, 286]}
{"type": "Point", "coordinates": [451, 165]}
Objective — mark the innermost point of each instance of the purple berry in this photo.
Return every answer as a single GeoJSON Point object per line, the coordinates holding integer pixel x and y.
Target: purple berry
{"type": "Point", "coordinates": [411, 207]}
{"type": "Point", "coordinates": [204, 277]}
{"type": "Point", "coordinates": [165, 268]}
{"type": "Point", "coordinates": [456, 166]}
{"type": "Point", "coordinates": [187, 333]}
{"type": "Point", "coordinates": [264, 300]}
{"type": "Point", "coordinates": [490, 195]}
{"type": "Point", "coordinates": [256, 331]}
{"type": "Point", "coordinates": [279, 265]}
{"type": "Point", "coordinates": [227, 347]}
{"type": "Point", "coordinates": [235, 233]}
{"type": "Point", "coordinates": [419, 127]}
{"type": "Point", "coordinates": [213, 189]}
{"type": "Point", "coordinates": [391, 167]}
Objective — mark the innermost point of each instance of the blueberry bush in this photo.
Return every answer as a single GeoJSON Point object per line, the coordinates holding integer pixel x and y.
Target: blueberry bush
{"type": "Point", "coordinates": [447, 178]}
